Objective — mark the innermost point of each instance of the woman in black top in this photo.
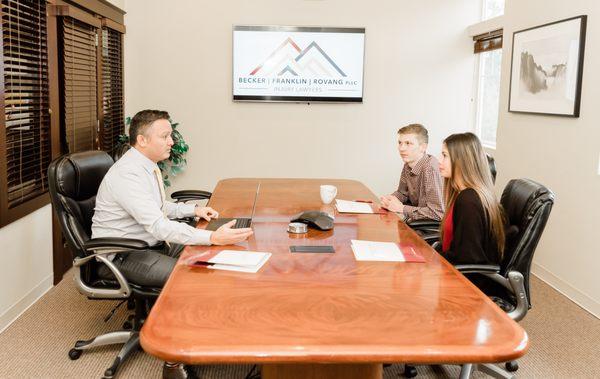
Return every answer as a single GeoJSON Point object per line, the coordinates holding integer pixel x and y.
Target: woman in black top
{"type": "Point", "coordinates": [472, 229]}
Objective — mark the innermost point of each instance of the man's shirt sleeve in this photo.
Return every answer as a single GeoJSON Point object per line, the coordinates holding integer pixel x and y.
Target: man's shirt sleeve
{"type": "Point", "coordinates": [131, 193]}
{"type": "Point", "coordinates": [430, 208]}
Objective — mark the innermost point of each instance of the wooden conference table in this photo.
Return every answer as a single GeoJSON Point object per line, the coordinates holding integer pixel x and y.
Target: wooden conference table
{"type": "Point", "coordinates": [323, 315]}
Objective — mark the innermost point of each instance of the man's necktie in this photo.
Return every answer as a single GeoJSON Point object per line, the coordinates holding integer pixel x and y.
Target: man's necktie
{"type": "Point", "coordinates": [161, 188]}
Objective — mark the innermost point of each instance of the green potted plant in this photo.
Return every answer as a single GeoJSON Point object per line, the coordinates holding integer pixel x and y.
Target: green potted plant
{"type": "Point", "coordinates": [176, 162]}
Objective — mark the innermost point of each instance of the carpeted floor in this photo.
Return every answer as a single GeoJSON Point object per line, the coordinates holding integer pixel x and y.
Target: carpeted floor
{"type": "Point", "coordinates": [565, 341]}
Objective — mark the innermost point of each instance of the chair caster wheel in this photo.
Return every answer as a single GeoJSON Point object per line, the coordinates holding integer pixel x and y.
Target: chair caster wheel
{"type": "Point", "coordinates": [511, 366]}
{"type": "Point", "coordinates": [74, 354]}
{"type": "Point", "coordinates": [410, 371]}
{"type": "Point", "coordinates": [127, 325]}
{"type": "Point", "coordinates": [109, 374]}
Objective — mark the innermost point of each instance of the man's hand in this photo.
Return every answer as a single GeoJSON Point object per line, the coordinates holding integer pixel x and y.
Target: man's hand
{"type": "Point", "coordinates": [225, 235]}
{"type": "Point", "coordinates": [391, 203]}
{"type": "Point", "coordinates": [206, 213]}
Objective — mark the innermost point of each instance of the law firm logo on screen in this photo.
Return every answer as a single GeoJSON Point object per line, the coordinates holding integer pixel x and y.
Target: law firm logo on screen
{"type": "Point", "coordinates": [290, 60]}
{"type": "Point", "coordinates": [280, 63]}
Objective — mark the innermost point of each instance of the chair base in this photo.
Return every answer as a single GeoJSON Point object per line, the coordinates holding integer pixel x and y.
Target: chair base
{"type": "Point", "coordinates": [129, 339]}
{"type": "Point", "coordinates": [468, 369]}
{"type": "Point", "coordinates": [488, 368]}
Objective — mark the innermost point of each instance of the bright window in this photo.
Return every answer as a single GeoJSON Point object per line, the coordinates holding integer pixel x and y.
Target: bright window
{"type": "Point", "coordinates": [488, 96]}
{"type": "Point", "coordinates": [492, 8]}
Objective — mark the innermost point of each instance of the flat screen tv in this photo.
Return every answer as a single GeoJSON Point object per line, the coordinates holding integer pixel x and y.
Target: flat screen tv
{"type": "Point", "coordinates": [299, 64]}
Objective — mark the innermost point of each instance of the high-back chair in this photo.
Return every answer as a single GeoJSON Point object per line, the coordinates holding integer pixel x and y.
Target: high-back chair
{"type": "Point", "coordinates": [74, 180]}
{"type": "Point", "coordinates": [527, 205]}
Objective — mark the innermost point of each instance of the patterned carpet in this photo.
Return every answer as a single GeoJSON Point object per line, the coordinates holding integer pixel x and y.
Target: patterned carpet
{"type": "Point", "coordinates": [564, 341]}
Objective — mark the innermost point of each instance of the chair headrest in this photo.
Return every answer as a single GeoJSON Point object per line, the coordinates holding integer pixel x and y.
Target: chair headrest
{"type": "Point", "coordinates": [522, 197]}
{"type": "Point", "coordinates": [79, 174]}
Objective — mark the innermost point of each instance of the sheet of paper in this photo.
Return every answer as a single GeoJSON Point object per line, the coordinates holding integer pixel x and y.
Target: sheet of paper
{"type": "Point", "coordinates": [376, 251]}
{"type": "Point", "coordinates": [243, 261]}
{"type": "Point", "coordinates": [347, 206]}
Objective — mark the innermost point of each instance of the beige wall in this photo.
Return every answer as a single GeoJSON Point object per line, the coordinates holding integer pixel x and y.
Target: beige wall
{"type": "Point", "coordinates": [25, 263]}
{"type": "Point", "coordinates": [561, 153]}
{"type": "Point", "coordinates": [418, 67]}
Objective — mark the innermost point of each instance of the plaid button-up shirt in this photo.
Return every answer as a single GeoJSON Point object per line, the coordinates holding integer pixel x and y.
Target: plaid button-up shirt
{"type": "Point", "coordinates": [420, 190]}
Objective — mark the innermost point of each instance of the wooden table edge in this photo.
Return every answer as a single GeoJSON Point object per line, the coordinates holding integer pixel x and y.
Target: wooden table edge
{"type": "Point", "coordinates": [346, 355]}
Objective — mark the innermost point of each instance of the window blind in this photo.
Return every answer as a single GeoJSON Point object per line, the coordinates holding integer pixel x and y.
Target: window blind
{"type": "Point", "coordinates": [113, 122]}
{"type": "Point", "coordinates": [26, 102]}
{"type": "Point", "coordinates": [79, 112]}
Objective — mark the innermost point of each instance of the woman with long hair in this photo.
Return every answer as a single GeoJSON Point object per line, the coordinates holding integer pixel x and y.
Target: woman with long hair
{"type": "Point", "coordinates": [472, 229]}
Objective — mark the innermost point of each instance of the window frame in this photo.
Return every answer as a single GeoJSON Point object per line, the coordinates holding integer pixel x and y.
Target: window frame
{"type": "Point", "coordinates": [482, 29]}
{"type": "Point", "coordinates": [478, 113]}
{"type": "Point", "coordinates": [92, 10]}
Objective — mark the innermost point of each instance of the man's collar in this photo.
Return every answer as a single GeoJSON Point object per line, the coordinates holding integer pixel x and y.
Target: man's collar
{"type": "Point", "coordinates": [416, 170]}
{"type": "Point", "coordinates": [146, 163]}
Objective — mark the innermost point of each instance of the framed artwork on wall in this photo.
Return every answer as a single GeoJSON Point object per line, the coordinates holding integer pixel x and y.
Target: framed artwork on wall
{"type": "Point", "coordinates": [547, 68]}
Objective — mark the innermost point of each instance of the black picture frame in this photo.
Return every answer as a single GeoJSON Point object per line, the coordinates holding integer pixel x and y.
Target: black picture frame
{"type": "Point", "coordinates": [545, 76]}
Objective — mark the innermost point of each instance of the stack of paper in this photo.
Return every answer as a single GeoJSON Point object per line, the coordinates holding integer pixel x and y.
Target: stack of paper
{"type": "Point", "coordinates": [233, 260]}
{"type": "Point", "coordinates": [347, 206]}
{"type": "Point", "coordinates": [383, 251]}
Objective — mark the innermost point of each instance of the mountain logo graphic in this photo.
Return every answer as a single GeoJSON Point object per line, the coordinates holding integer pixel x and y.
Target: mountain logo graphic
{"type": "Point", "coordinates": [290, 60]}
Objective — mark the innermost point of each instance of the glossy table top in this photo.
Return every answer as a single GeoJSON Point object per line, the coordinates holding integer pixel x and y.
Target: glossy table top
{"type": "Point", "coordinates": [323, 308]}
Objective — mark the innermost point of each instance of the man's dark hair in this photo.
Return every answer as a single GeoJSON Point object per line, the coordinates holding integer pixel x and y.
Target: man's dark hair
{"type": "Point", "coordinates": [417, 129]}
{"type": "Point", "coordinates": [142, 120]}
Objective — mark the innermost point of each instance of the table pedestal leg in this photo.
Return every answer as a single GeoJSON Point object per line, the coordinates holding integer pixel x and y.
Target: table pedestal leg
{"type": "Point", "coordinates": [322, 371]}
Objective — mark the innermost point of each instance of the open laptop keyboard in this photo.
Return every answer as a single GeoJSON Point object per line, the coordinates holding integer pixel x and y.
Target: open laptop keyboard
{"type": "Point", "coordinates": [242, 223]}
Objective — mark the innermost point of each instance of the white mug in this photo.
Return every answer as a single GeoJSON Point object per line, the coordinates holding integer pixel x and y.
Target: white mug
{"type": "Point", "coordinates": [328, 193]}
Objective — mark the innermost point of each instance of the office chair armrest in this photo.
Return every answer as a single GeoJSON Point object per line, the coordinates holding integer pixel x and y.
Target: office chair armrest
{"type": "Point", "coordinates": [479, 269]}
{"type": "Point", "coordinates": [431, 237]}
{"type": "Point", "coordinates": [187, 195]}
{"type": "Point", "coordinates": [424, 224]}
{"type": "Point", "coordinates": [514, 282]}
{"type": "Point", "coordinates": [517, 285]}
{"type": "Point", "coordinates": [114, 244]}
{"type": "Point", "coordinates": [124, 290]}
{"type": "Point", "coordinates": [100, 248]}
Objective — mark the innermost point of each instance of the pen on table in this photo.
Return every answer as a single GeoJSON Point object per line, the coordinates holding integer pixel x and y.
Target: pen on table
{"type": "Point", "coordinates": [202, 263]}
{"type": "Point", "coordinates": [363, 201]}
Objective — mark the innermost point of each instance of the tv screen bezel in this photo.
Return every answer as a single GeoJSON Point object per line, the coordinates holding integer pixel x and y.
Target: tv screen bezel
{"type": "Point", "coordinates": [297, 99]}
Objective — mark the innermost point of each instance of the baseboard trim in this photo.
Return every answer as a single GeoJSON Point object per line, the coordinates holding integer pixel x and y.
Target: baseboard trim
{"type": "Point", "coordinates": [575, 295]}
{"type": "Point", "coordinates": [26, 301]}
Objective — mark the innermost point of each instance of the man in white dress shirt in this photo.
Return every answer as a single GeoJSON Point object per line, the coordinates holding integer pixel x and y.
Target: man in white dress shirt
{"type": "Point", "coordinates": [131, 204]}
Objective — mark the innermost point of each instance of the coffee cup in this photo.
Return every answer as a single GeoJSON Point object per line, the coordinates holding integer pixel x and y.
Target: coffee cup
{"type": "Point", "coordinates": [328, 193]}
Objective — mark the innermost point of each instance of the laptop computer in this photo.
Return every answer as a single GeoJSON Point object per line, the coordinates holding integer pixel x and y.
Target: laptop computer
{"type": "Point", "coordinates": [241, 222]}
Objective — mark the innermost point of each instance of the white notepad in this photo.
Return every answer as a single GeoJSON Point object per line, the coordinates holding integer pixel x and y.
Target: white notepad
{"type": "Point", "coordinates": [376, 251]}
{"type": "Point", "coordinates": [243, 261]}
{"type": "Point", "coordinates": [347, 206]}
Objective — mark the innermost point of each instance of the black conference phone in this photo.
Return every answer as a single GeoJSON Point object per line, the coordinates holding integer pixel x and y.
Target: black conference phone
{"type": "Point", "coordinates": [315, 219]}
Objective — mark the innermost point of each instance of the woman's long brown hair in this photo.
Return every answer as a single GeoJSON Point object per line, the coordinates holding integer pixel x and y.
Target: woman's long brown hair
{"type": "Point", "coordinates": [469, 161]}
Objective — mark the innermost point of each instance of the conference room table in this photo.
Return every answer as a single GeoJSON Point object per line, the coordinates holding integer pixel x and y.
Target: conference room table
{"type": "Point", "coordinates": [323, 315]}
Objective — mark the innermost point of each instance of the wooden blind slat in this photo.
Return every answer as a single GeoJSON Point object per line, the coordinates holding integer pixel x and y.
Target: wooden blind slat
{"type": "Point", "coordinates": [488, 41]}
{"type": "Point", "coordinates": [112, 85]}
{"type": "Point", "coordinates": [26, 94]}
{"type": "Point", "coordinates": [79, 84]}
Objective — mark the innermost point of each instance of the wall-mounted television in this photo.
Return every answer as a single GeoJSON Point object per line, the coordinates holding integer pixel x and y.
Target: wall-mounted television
{"type": "Point", "coordinates": [299, 64]}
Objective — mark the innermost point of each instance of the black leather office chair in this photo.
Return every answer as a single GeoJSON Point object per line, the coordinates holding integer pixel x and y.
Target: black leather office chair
{"type": "Point", "coordinates": [527, 205]}
{"type": "Point", "coordinates": [429, 229]}
{"type": "Point", "coordinates": [74, 180]}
